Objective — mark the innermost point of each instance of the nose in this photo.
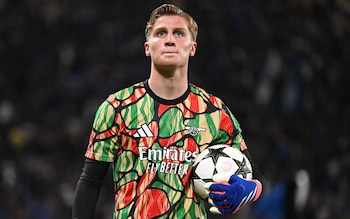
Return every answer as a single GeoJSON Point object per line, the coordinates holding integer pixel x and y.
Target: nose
{"type": "Point", "coordinates": [170, 40]}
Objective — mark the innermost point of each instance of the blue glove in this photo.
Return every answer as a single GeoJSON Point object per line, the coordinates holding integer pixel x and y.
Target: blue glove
{"type": "Point", "coordinates": [230, 193]}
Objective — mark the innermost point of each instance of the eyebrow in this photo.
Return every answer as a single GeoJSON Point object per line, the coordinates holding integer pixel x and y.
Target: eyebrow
{"type": "Point", "coordinates": [175, 29]}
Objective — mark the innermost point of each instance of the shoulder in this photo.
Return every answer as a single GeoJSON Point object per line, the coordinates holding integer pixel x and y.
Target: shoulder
{"type": "Point", "coordinates": [127, 94]}
{"type": "Point", "coordinates": [123, 97]}
{"type": "Point", "coordinates": [215, 100]}
{"type": "Point", "coordinates": [132, 90]}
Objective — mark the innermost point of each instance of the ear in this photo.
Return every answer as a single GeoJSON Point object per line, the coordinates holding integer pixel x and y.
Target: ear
{"type": "Point", "coordinates": [146, 46]}
{"type": "Point", "coordinates": [193, 48]}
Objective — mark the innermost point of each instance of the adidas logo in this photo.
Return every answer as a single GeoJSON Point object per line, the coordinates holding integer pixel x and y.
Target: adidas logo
{"type": "Point", "coordinates": [144, 131]}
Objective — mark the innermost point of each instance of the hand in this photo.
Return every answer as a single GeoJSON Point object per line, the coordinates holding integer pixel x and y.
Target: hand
{"type": "Point", "coordinates": [230, 193]}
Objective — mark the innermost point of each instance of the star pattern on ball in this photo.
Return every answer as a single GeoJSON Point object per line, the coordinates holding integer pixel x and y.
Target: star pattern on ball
{"type": "Point", "coordinates": [215, 153]}
{"type": "Point", "coordinates": [243, 169]}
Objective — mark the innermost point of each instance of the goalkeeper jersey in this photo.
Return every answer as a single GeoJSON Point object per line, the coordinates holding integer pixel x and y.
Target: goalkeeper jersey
{"type": "Point", "coordinates": [152, 143]}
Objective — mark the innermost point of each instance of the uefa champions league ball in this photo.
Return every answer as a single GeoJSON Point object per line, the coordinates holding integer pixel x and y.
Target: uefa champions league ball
{"type": "Point", "coordinates": [222, 159]}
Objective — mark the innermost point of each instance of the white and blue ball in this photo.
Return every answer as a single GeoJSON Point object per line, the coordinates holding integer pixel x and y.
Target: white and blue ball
{"type": "Point", "coordinates": [221, 159]}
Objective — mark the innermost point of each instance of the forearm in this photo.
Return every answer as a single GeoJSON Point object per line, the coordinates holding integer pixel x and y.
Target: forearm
{"type": "Point", "coordinates": [88, 189]}
{"type": "Point", "coordinates": [257, 175]}
{"type": "Point", "coordinates": [84, 201]}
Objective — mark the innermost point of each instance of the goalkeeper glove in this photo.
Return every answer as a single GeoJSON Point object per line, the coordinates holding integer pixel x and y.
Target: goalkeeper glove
{"type": "Point", "coordinates": [228, 195]}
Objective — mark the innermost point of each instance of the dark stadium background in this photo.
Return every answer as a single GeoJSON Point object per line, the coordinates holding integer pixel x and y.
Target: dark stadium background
{"type": "Point", "coordinates": [281, 66]}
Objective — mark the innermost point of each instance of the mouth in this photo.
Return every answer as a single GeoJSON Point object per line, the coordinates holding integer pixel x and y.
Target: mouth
{"type": "Point", "coordinates": [169, 52]}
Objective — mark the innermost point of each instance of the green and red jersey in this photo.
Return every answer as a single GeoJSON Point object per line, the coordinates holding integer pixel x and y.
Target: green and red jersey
{"type": "Point", "coordinates": [152, 143]}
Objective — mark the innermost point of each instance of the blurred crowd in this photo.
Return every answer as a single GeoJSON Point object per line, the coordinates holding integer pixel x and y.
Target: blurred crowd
{"type": "Point", "coordinates": [283, 67]}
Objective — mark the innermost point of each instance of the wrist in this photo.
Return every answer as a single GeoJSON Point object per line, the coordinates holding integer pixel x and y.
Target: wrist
{"type": "Point", "coordinates": [259, 189]}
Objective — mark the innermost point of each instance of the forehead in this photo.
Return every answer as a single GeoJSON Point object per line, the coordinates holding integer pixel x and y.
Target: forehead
{"type": "Point", "coordinates": [170, 21]}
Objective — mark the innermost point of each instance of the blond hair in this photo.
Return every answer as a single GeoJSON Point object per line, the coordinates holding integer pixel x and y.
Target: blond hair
{"type": "Point", "coordinates": [169, 9]}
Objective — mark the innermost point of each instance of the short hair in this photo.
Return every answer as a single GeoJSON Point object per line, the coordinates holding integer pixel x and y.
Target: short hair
{"type": "Point", "coordinates": [170, 9]}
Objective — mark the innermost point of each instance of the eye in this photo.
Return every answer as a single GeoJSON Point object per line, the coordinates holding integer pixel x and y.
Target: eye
{"type": "Point", "coordinates": [161, 33]}
{"type": "Point", "coordinates": [179, 33]}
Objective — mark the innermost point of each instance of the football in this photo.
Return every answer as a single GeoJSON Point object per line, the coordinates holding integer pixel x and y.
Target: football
{"type": "Point", "coordinates": [218, 159]}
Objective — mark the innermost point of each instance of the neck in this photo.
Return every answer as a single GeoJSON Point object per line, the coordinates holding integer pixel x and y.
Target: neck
{"type": "Point", "coordinates": [169, 84]}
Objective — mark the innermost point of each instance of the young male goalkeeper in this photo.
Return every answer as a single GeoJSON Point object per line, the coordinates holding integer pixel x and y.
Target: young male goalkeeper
{"type": "Point", "coordinates": [152, 131]}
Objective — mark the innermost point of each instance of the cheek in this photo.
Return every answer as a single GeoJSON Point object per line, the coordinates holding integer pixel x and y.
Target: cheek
{"type": "Point", "coordinates": [152, 48]}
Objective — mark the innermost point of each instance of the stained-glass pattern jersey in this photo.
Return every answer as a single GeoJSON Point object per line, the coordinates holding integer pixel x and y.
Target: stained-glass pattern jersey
{"type": "Point", "coordinates": [152, 143]}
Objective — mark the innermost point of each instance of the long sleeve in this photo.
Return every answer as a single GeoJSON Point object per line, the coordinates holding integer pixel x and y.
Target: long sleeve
{"type": "Point", "coordinates": [88, 189]}
{"type": "Point", "coordinates": [256, 172]}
